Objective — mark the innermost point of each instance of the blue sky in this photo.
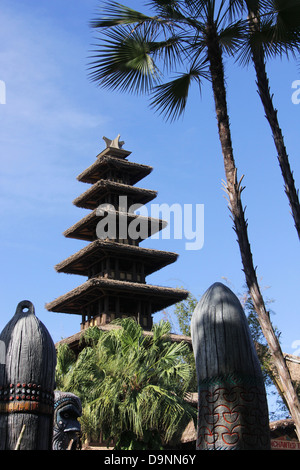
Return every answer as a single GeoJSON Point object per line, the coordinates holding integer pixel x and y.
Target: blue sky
{"type": "Point", "coordinates": [51, 130]}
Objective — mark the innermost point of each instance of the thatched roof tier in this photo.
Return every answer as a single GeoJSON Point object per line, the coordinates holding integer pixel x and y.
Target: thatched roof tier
{"type": "Point", "coordinates": [75, 340]}
{"type": "Point", "coordinates": [97, 194]}
{"type": "Point", "coordinates": [76, 301]}
{"type": "Point", "coordinates": [85, 229]}
{"type": "Point", "coordinates": [282, 426]}
{"type": "Point", "coordinates": [134, 171]}
{"type": "Point", "coordinates": [115, 152]}
{"type": "Point", "coordinates": [80, 262]}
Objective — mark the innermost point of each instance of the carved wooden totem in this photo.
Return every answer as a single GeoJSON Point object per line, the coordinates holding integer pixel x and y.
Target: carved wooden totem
{"type": "Point", "coordinates": [27, 380]}
{"type": "Point", "coordinates": [66, 427]}
{"type": "Point", "coordinates": [232, 404]}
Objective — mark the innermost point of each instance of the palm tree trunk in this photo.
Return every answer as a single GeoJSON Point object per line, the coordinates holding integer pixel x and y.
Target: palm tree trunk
{"type": "Point", "coordinates": [262, 82]}
{"type": "Point", "coordinates": [234, 190]}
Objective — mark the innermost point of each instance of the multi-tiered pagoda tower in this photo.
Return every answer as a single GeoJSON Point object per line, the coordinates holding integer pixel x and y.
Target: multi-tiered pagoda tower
{"type": "Point", "coordinates": [113, 261]}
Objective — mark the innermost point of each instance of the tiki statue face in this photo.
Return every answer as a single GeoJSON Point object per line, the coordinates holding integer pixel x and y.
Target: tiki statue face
{"type": "Point", "coordinates": [66, 428]}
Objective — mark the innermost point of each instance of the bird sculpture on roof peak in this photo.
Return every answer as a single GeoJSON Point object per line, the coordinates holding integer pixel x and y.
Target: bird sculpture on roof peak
{"type": "Point", "coordinates": [115, 143]}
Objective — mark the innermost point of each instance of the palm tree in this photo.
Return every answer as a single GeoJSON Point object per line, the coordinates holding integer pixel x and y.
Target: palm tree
{"type": "Point", "coordinates": [274, 30]}
{"type": "Point", "coordinates": [132, 385]}
{"type": "Point", "coordinates": [64, 363]}
{"type": "Point", "coordinates": [195, 34]}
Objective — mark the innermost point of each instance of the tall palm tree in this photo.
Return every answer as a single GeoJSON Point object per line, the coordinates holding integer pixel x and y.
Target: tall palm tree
{"type": "Point", "coordinates": [274, 29]}
{"type": "Point", "coordinates": [132, 385]}
{"type": "Point", "coordinates": [194, 34]}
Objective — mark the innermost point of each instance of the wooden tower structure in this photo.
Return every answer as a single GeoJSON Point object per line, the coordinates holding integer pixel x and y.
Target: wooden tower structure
{"type": "Point", "coordinates": [114, 263]}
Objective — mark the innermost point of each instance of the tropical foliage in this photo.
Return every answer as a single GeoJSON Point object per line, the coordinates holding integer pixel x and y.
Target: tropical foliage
{"type": "Point", "coordinates": [136, 54]}
{"type": "Point", "coordinates": [132, 385]}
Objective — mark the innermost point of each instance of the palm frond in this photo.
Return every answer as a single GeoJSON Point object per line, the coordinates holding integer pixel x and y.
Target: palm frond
{"type": "Point", "coordinates": [170, 51]}
{"type": "Point", "coordinates": [161, 330]}
{"type": "Point", "coordinates": [201, 8]}
{"type": "Point", "coordinates": [116, 14]}
{"type": "Point", "coordinates": [65, 358]}
{"type": "Point", "coordinates": [173, 11]}
{"type": "Point", "coordinates": [274, 26]}
{"type": "Point", "coordinates": [170, 98]}
{"type": "Point", "coordinates": [287, 13]}
{"type": "Point", "coordinates": [90, 336]}
{"type": "Point", "coordinates": [124, 62]}
{"type": "Point", "coordinates": [166, 19]}
{"type": "Point", "coordinates": [257, 6]}
{"type": "Point", "coordinates": [275, 39]}
{"type": "Point", "coordinates": [160, 407]}
{"type": "Point", "coordinates": [286, 30]}
{"type": "Point", "coordinates": [232, 36]}
{"type": "Point", "coordinates": [216, 12]}
{"type": "Point", "coordinates": [65, 362]}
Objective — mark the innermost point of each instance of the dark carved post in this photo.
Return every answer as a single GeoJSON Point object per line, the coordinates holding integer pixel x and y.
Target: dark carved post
{"type": "Point", "coordinates": [27, 381]}
{"type": "Point", "coordinates": [66, 428]}
{"type": "Point", "coordinates": [232, 404]}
